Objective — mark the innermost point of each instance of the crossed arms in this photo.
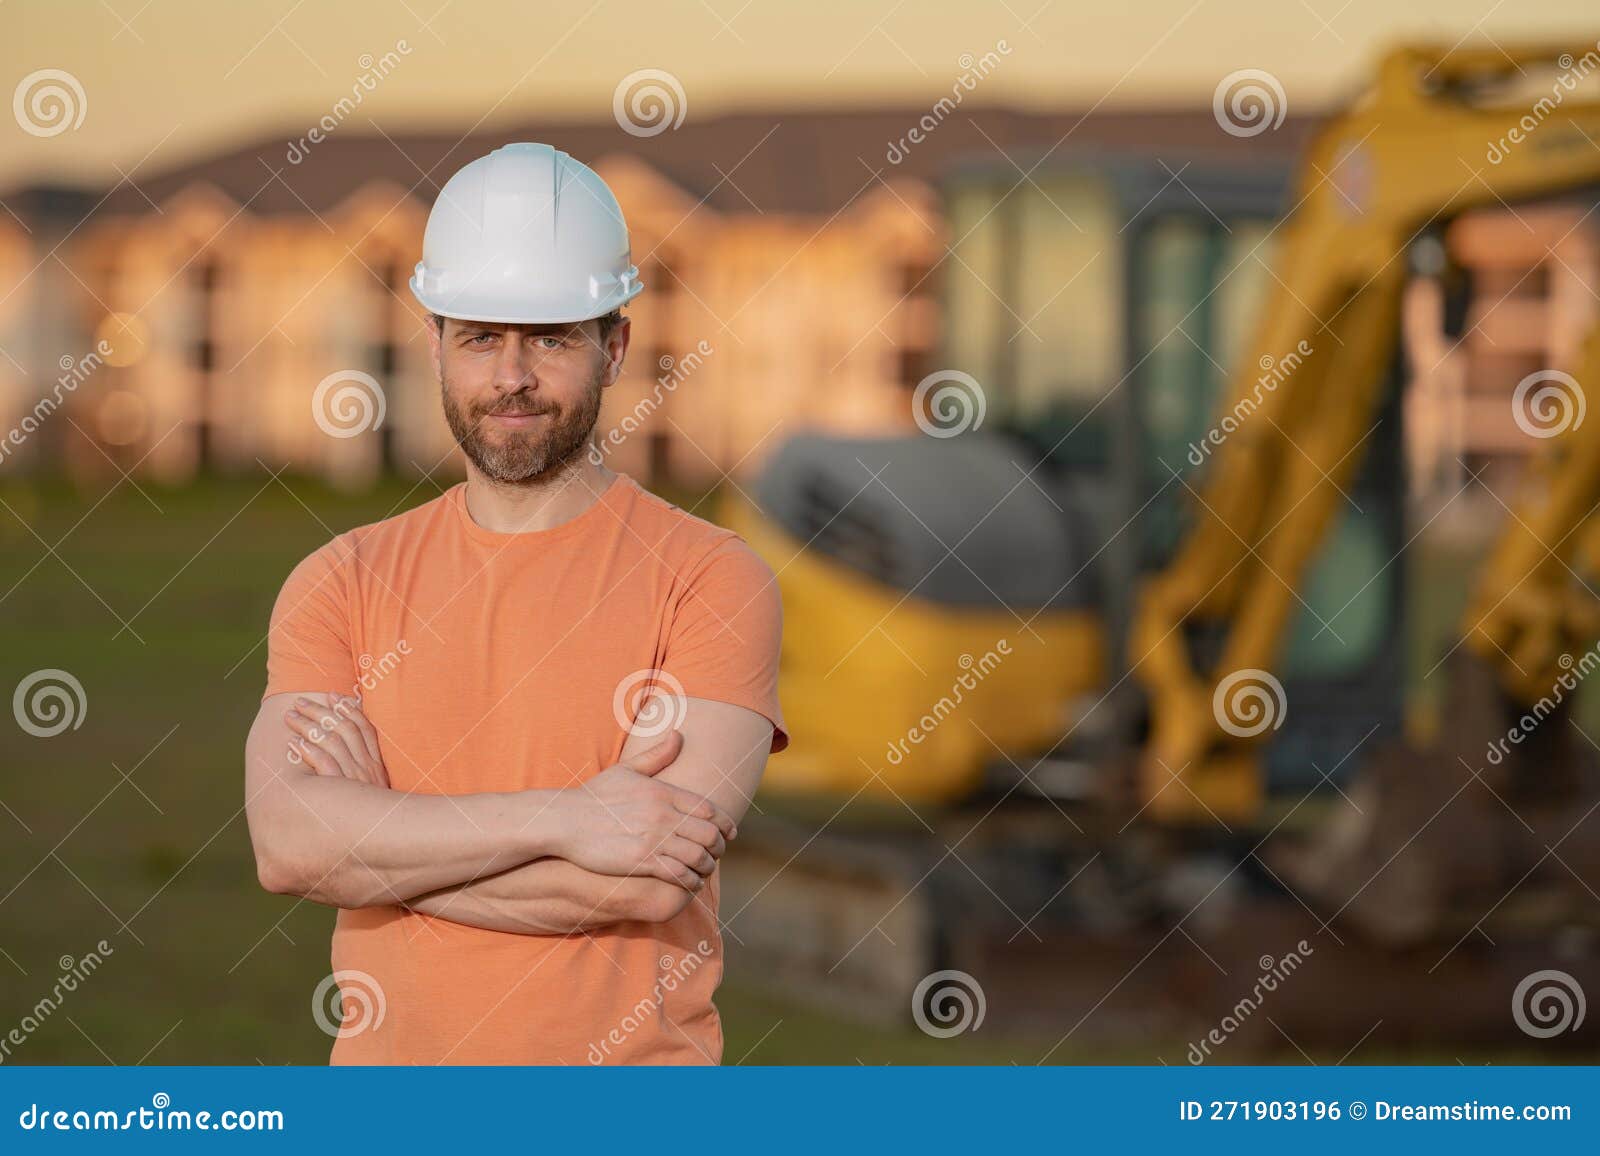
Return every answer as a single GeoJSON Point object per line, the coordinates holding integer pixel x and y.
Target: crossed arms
{"type": "Point", "coordinates": [635, 842]}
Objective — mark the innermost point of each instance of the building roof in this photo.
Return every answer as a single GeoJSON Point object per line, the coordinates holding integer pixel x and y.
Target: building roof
{"type": "Point", "coordinates": [810, 161]}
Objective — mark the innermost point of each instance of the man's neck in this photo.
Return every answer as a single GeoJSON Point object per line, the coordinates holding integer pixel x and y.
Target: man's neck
{"type": "Point", "coordinates": [526, 507]}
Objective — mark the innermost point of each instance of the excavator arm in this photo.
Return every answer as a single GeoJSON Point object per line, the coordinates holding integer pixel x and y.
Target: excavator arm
{"type": "Point", "coordinates": [1436, 135]}
{"type": "Point", "coordinates": [1535, 601]}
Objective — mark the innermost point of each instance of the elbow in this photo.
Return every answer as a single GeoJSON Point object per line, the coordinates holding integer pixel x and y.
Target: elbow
{"type": "Point", "coordinates": [276, 874]}
{"type": "Point", "coordinates": [284, 870]}
{"type": "Point", "coordinates": [278, 867]}
{"type": "Point", "coordinates": [286, 874]}
{"type": "Point", "coordinates": [286, 865]}
{"type": "Point", "coordinates": [274, 879]}
{"type": "Point", "coordinates": [658, 901]}
{"type": "Point", "coordinates": [278, 864]}
{"type": "Point", "coordinates": [283, 877]}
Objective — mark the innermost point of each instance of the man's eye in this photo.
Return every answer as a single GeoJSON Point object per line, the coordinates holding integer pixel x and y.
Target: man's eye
{"type": "Point", "coordinates": [552, 343]}
{"type": "Point", "coordinates": [484, 337]}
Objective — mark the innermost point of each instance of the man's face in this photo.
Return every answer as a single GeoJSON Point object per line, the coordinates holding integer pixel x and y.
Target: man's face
{"type": "Point", "coordinates": [522, 400]}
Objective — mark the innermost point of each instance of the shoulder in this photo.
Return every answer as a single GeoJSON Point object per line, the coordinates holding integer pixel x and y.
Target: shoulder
{"type": "Point", "coordinates": [694, 547]}
{"type": "Point", "coordinates": [329, 564]}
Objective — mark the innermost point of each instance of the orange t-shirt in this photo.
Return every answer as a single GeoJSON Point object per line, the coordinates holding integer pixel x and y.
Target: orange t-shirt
{"type": "Point", "coordinates": [492, 662]}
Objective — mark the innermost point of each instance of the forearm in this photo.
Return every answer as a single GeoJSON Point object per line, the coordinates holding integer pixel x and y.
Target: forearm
{"type": "Point", "coordinates": [341, 836]}
{"type": "Point", "coordinates": [553, 897]}
{"type": "Point", "coordinates": [350, 844]}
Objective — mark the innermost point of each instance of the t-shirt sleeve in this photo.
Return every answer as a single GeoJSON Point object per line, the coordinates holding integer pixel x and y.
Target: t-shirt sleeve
{"type": "Point", "coordinates": [726, 631]}
{"type": "Point", "coordinates": [308, 642]}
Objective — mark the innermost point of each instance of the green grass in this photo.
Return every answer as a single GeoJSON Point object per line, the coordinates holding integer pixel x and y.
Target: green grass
{"type": "Point", "coordinates": [157, 603]}
{"type": "Point", "coordinates": [130, 828]}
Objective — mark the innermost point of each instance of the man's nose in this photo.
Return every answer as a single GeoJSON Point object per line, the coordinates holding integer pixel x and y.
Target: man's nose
{"type": "Point", "coordinates": [514, 368]}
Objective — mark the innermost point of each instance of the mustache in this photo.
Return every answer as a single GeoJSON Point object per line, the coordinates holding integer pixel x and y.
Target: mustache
{"type": "Point", "coordinates": [516, 409]}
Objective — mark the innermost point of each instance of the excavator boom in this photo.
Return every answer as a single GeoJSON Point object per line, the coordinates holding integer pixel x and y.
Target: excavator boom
{"type": "Point", "coordinates": [1435, 136]}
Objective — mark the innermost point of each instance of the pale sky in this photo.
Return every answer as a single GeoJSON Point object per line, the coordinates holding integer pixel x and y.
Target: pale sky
{"type": "Point", "coordinates": [165, 81]}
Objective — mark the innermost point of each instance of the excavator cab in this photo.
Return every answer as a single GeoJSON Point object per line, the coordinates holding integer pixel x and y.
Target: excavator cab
{"type": "Point", "coordinates": [1029, 498]}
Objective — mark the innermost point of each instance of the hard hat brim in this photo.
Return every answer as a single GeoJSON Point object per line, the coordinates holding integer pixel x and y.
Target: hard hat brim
{"type": "Point", "coordinates": [465, 311]}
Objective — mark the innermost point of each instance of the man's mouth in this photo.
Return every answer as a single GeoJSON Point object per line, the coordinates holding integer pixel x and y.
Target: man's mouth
{"type": "Point", "coordinates": [519, 417]}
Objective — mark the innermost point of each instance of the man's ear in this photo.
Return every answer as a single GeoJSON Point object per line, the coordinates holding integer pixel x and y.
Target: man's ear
{"type": "Point", "coordinates": [616, 348]}
{"type": "Point", "coordinates": [434, 324]}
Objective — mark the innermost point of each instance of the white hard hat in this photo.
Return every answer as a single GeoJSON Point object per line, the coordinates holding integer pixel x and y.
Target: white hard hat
{"type": "Point", "coordinates": [525, 234]}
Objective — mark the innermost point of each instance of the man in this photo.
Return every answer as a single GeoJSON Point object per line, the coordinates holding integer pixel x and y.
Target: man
{"type": "Point", "coordinates": [509, 732]}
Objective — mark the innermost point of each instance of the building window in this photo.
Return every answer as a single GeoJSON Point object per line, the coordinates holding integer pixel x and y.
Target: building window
{"type": "Point", "coordinates": [660, 461]}
{"type": "Point", "coordinates": [204, 283]}
{"type": "Point", "coordinates": [912, 365]}
{"type": "Point", "coordinates": [915, 302]}
{"type": "Point", "coordinates": [917, 278]}
{"type": "Point", "coordinates": [384, 356]}
{"type": "Point", "coordinates": [662, 278]}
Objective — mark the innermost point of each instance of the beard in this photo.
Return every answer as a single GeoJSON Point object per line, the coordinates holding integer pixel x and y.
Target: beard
{"type": "Point", "coordinates": [523, 457]}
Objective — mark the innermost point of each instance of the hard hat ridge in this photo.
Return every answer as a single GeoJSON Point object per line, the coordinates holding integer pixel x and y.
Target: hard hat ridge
{"type": "Point", "coordinates": [526, 235]}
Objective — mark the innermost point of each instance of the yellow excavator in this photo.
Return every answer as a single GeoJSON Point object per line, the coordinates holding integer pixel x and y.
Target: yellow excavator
{"type": "Point", "coordinates": [1412, 153]}
{"type": "Point", "coordinates": [966, 627]}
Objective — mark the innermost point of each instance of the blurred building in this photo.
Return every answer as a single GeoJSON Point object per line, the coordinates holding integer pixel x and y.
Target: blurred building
{"type": "Point", "coordinates": [794, 277]}
{"type": "Point", "coordinates": [803, 270]}
{"type": "Point", "coordinates": [1530, 295]}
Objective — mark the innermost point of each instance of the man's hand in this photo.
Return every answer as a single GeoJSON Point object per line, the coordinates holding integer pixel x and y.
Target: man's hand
{"type": "Point", "coordinates": [336, 739]}
{"type": "Point", "coordinates": [624, 821]}
{"type": "Point", "coordinates": [621, 822]}
{"type": "Point", "coordinates": [724, 751]}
